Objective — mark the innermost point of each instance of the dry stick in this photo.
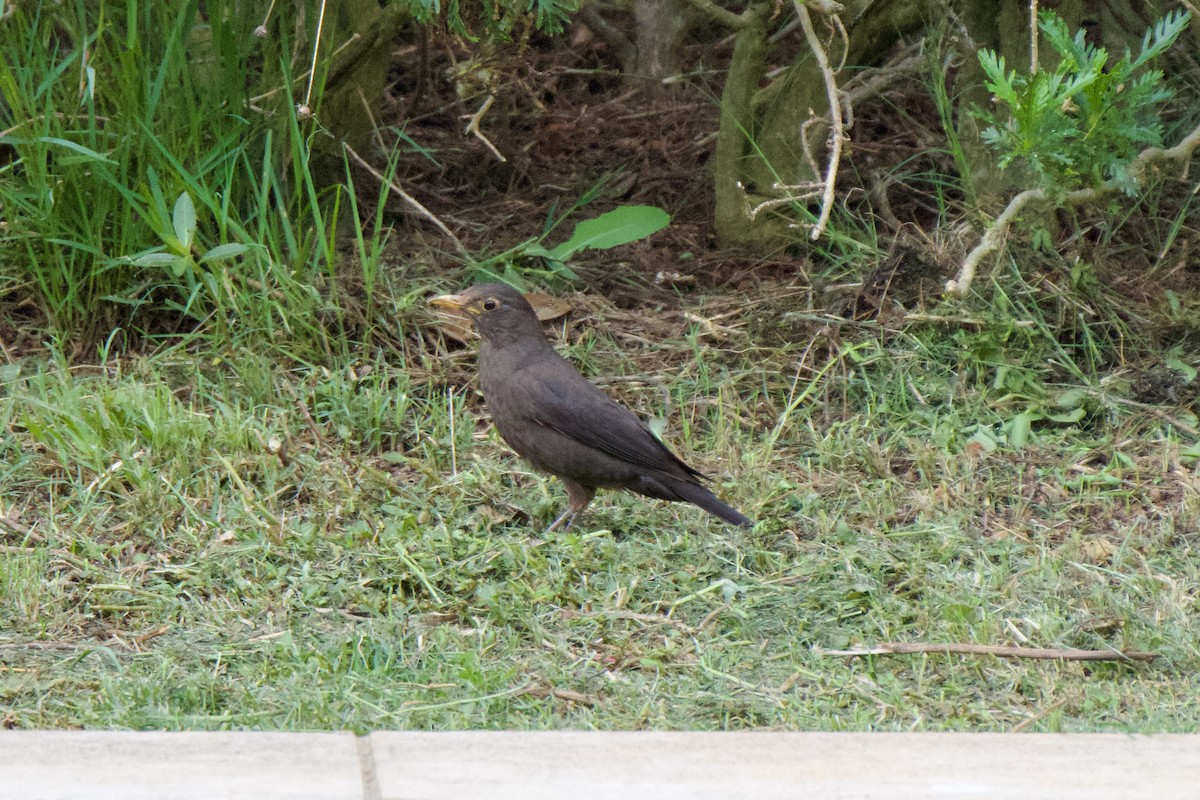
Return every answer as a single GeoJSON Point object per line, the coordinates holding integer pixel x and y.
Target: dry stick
{"type": "Point", "coordinates": [18, 528]}
{"type": "Point", "coordinates": [1000, 651]}
{"type": "Point", "coordinates": [837, 131]}
{"type": "Point", "coordinates": [992, 238]}
{"type": "Point", "coordinates": [1033, 37]}
{"type": "Point", "coordinates": [1153, 411]}
{"type": "Point", "coordinates": [995, 234]}
{"type": "Point", "coordinates": [312, 70]}
{"type": "Point", "coordinates": [408, 198]}
{"type": "Point", "coordinates": [1041, 715]}
{"type": "Point", "coordinates": [302, 407]}
{"type": "Point", "coordinates": [473, 127]}
{"type": "Point", "coordinates": [42, 646]}
{"type": "Point", "coordinates": [298, 81]}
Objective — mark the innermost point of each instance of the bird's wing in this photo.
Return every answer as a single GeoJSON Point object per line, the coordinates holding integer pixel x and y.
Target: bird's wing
{"type": "Point", "coordinates": [577, 409]}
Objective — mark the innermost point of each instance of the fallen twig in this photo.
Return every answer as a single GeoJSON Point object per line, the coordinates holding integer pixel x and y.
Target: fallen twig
{"type": "Point", "coordinates": [542, 691]}
{"type": "Point", "coordinates": [43, 645]}
{"type": "Point", "coordinates": [1153, 411]}
{"type": "Point", "coordinates": [1000, 651]}
{"type": "Point", "coordinates": [473, 126]}
{"type": "Point", "coordinates": [19, 529]}
{"type": "Point", "coordinates": [408, 198]}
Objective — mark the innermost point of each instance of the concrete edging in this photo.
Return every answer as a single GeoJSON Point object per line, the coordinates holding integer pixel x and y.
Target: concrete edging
{"type": "Point", "coordinates": [400, 765]}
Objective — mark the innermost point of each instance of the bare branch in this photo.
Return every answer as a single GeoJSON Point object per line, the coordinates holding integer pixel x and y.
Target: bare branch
{"type": "Point", "coordinates": [473, 127]}
{"type": "Point", "coordinates": [837, 132]}
{"type": "Point", "coordinates": [991, 239]}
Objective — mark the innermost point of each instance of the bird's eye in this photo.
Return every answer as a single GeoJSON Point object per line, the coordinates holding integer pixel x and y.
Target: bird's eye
{"type": "Point", "coordinates": [490, 304]}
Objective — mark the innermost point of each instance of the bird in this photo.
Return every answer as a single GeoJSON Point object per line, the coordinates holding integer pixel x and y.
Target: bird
{"type": "Point", "coordinates": [559, 422]}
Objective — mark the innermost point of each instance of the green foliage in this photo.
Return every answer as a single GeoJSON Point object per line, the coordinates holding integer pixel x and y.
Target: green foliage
{"type": "Point", "coordinates": [158, 190]}
{"type": "Point", "coordinates": [1082, 124]}
{"type": "Point", "coordinates": [617, 227]}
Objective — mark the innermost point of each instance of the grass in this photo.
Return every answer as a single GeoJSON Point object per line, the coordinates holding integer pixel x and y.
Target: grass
{"type": "Point", "coordinates": [196, 541]}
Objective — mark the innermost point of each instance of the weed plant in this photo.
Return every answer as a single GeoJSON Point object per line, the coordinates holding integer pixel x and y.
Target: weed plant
{"type": "Point", "coordinates": [149, 189]}
{"type": "Point", "coordinates": [1082, 123]}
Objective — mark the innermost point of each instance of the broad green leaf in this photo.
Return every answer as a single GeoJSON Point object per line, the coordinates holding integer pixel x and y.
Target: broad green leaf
{"type": "Point", "coordinates": [1020, 427]}
{"type": "Point", "coordinates": [177, 264]}
{"type": "Point", "coordinates": [1069, 417]}
{"type": "Point", "coordinates": [535, 249]}
{"type": "Point", "coordinates": [184, 219]}
{"type": "Point", "coordinates": [619, 226]}
{"type": "Point", "coordinates": [985, 439]}
{"type": "Point", "coordinates": [156, 259]}
{"type": "Point", "coordinates": [223, 251]}
{"type": "Point", "coordinates": [1071, 399]}
{"type": "Point", "coordinates": [559, 268]}
{"type": "Point", "coordinates": [1179, 365]}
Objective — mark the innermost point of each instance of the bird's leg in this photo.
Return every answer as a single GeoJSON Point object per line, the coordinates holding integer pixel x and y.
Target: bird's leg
{"type": "Point", "coordinates": [567, 516]}
{"type": "Point", "coordinates": [579, 496]}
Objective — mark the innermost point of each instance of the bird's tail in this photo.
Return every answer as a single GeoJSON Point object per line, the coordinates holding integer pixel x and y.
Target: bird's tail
{"type": "Point", "coordinates": [699, 495]}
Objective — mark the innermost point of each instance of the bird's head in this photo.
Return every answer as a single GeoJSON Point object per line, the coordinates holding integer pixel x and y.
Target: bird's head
{"type": "Point", "coordinates": [499, 312]}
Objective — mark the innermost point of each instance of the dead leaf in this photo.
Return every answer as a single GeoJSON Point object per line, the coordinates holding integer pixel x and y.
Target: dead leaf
{"type": "Point", "coordinates": [1097, 550]}
{"type": "Point", "coordinates": [548, 307]}
{"type": "Point", "coordinates": [455, 324]}
{"type": "Point", "coordinates": [1101, 624]}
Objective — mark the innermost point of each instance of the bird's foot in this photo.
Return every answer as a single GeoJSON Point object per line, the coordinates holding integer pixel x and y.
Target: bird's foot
{"type": "Point", "coordinates": [564, 519]}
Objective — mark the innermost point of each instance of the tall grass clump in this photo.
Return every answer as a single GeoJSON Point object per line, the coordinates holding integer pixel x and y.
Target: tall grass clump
{"type": "Point", "coordinates": [155, 174]}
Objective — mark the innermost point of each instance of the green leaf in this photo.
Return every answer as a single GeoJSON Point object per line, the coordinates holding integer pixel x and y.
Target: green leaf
{"type": "Point", "coordinates": [1179, 365]}
{"type": "Point", "coordinates": [184, 219]}
{"type": "Point", "coordinates": [1068, 417]}
{"type": "Point", "coordinates": [177, 264]}
{"type": "Point", "coordinates": [1020, 427]}
{"type": "Point", "coordinates": [223, 251]}
{"type": "Point", "coordinates": [78, 148]}
{"type": "Point", "coordinates": [619, 226]}
{"type": "Point", "coordinates": [156, 260]}
{"type": "Point", "coordinates": [985, 439]}
{"type": "Point", "coordinates": [535, 249]}
{"type": "Point", "coordinates": [561, 269]}
{"type": "Point", "coordinates": [1071, 398]}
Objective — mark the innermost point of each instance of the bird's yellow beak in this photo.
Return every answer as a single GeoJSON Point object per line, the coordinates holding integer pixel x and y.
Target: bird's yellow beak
{"type": "Point", "coordinates": [456, 315]}
{"type": "Point", "coordinates": [451, 302]}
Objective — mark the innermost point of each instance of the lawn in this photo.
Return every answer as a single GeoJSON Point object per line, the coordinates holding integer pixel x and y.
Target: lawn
{"type": "Point", "coordinates": [199, 539]}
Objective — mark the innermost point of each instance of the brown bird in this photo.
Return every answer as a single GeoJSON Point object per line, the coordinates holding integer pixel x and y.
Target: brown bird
{"type": "Point", "coordinates": [562, 424]}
